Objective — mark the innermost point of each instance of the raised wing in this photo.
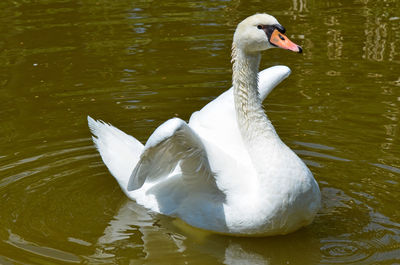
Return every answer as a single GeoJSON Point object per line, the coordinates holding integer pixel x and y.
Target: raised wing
{"type": "Point", "coordinates": [171, 143]}
{"type": "Point", "coordinates": [119, 151]}
{"type": "Point", "coordinates": [269, 78]}
{"type": "Point", "coordinates": [216, 121]}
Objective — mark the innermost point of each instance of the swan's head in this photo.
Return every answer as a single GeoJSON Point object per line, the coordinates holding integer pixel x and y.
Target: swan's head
{"type": "Point", "coordinates": [261, 32]}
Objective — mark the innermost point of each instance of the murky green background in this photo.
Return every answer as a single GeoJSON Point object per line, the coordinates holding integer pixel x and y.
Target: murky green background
{"type": "Point", "coordinates": [136, 64]}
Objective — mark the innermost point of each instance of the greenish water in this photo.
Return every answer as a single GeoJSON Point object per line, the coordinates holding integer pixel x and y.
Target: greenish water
{"type": "Point", "coordinates": [136, 64]}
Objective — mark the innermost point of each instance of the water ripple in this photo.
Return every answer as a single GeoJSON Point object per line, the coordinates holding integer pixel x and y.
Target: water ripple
{"type": "Point", "coordinates": [46, 252]}
{"type": "Point", "coordinates": [320, 155]}
{"type": "Point", "coordinates": [390, 168]}
{"type": "Point", "coordinates": [345, 251]}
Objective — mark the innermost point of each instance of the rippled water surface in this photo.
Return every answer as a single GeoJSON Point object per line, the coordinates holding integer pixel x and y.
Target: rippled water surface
{"type": "Point", "coordinates": [137, 63]}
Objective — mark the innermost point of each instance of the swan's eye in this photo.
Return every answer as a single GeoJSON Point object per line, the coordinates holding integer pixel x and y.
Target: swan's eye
{"type": "Point", "coordinates": [260, 27]}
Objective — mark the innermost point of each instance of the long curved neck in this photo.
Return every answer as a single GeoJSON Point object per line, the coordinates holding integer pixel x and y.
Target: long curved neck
{"type": "Point", "coordinates": [254, 124]}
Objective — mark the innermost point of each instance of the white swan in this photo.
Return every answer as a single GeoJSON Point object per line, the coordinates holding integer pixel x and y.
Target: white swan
{"type": "Point", "coordinates": [227, 170]}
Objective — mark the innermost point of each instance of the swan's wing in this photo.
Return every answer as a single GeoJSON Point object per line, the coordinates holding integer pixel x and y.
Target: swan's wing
{"type": "Point", "coordinates": [119, 151]}
{"type": "Point", "coordinates": [216, 121]}
{"type": "Point", "coordinates": [269, 78]}
{"type": "Point", "coordinates": [173, 142]}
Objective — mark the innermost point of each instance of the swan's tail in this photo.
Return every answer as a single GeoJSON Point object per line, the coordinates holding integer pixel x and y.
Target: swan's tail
{"type": "Point", "coordinates": [119, 151]}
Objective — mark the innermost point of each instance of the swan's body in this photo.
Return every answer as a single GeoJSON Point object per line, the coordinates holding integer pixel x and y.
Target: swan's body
{"type": "Point", "coordinates": [227, 170]}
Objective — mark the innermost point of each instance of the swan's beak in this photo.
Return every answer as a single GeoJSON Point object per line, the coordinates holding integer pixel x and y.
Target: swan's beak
{"type": "Point", "coordinates": [280, 40]}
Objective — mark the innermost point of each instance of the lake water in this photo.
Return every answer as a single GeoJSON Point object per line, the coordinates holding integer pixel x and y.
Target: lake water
{"type": "Point", "coordinates": [136, 64]}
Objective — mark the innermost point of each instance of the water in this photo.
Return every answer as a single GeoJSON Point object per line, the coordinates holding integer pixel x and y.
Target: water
{"type": "Point", "coordinates": [136, 64]}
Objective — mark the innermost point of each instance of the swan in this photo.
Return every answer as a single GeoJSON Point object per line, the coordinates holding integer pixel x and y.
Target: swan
{"type": "Point", "coordinates": [226, 170]}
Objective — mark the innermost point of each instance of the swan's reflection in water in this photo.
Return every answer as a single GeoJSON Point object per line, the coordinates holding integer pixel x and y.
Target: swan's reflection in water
{"type": "Point", "coordinates": [158, 239]}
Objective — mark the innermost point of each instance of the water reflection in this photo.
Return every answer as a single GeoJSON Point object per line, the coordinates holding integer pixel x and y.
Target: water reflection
{"type": "Point", "coordinates": [380, 43]}
{"type": "Point", "coordinates": [300, 6]}
{"type": "Point", "coordinates": [376, 19]}
{"type": "Point", "coordinates": [162, 236]}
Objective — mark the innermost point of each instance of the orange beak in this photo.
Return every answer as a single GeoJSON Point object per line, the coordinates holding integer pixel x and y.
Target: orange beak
{"type": "Point", "coordinates": [280, 40]}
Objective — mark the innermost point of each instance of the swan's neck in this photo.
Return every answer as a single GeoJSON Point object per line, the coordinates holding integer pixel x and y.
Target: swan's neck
{"type": "Point", "coordinates": [254, 124]}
